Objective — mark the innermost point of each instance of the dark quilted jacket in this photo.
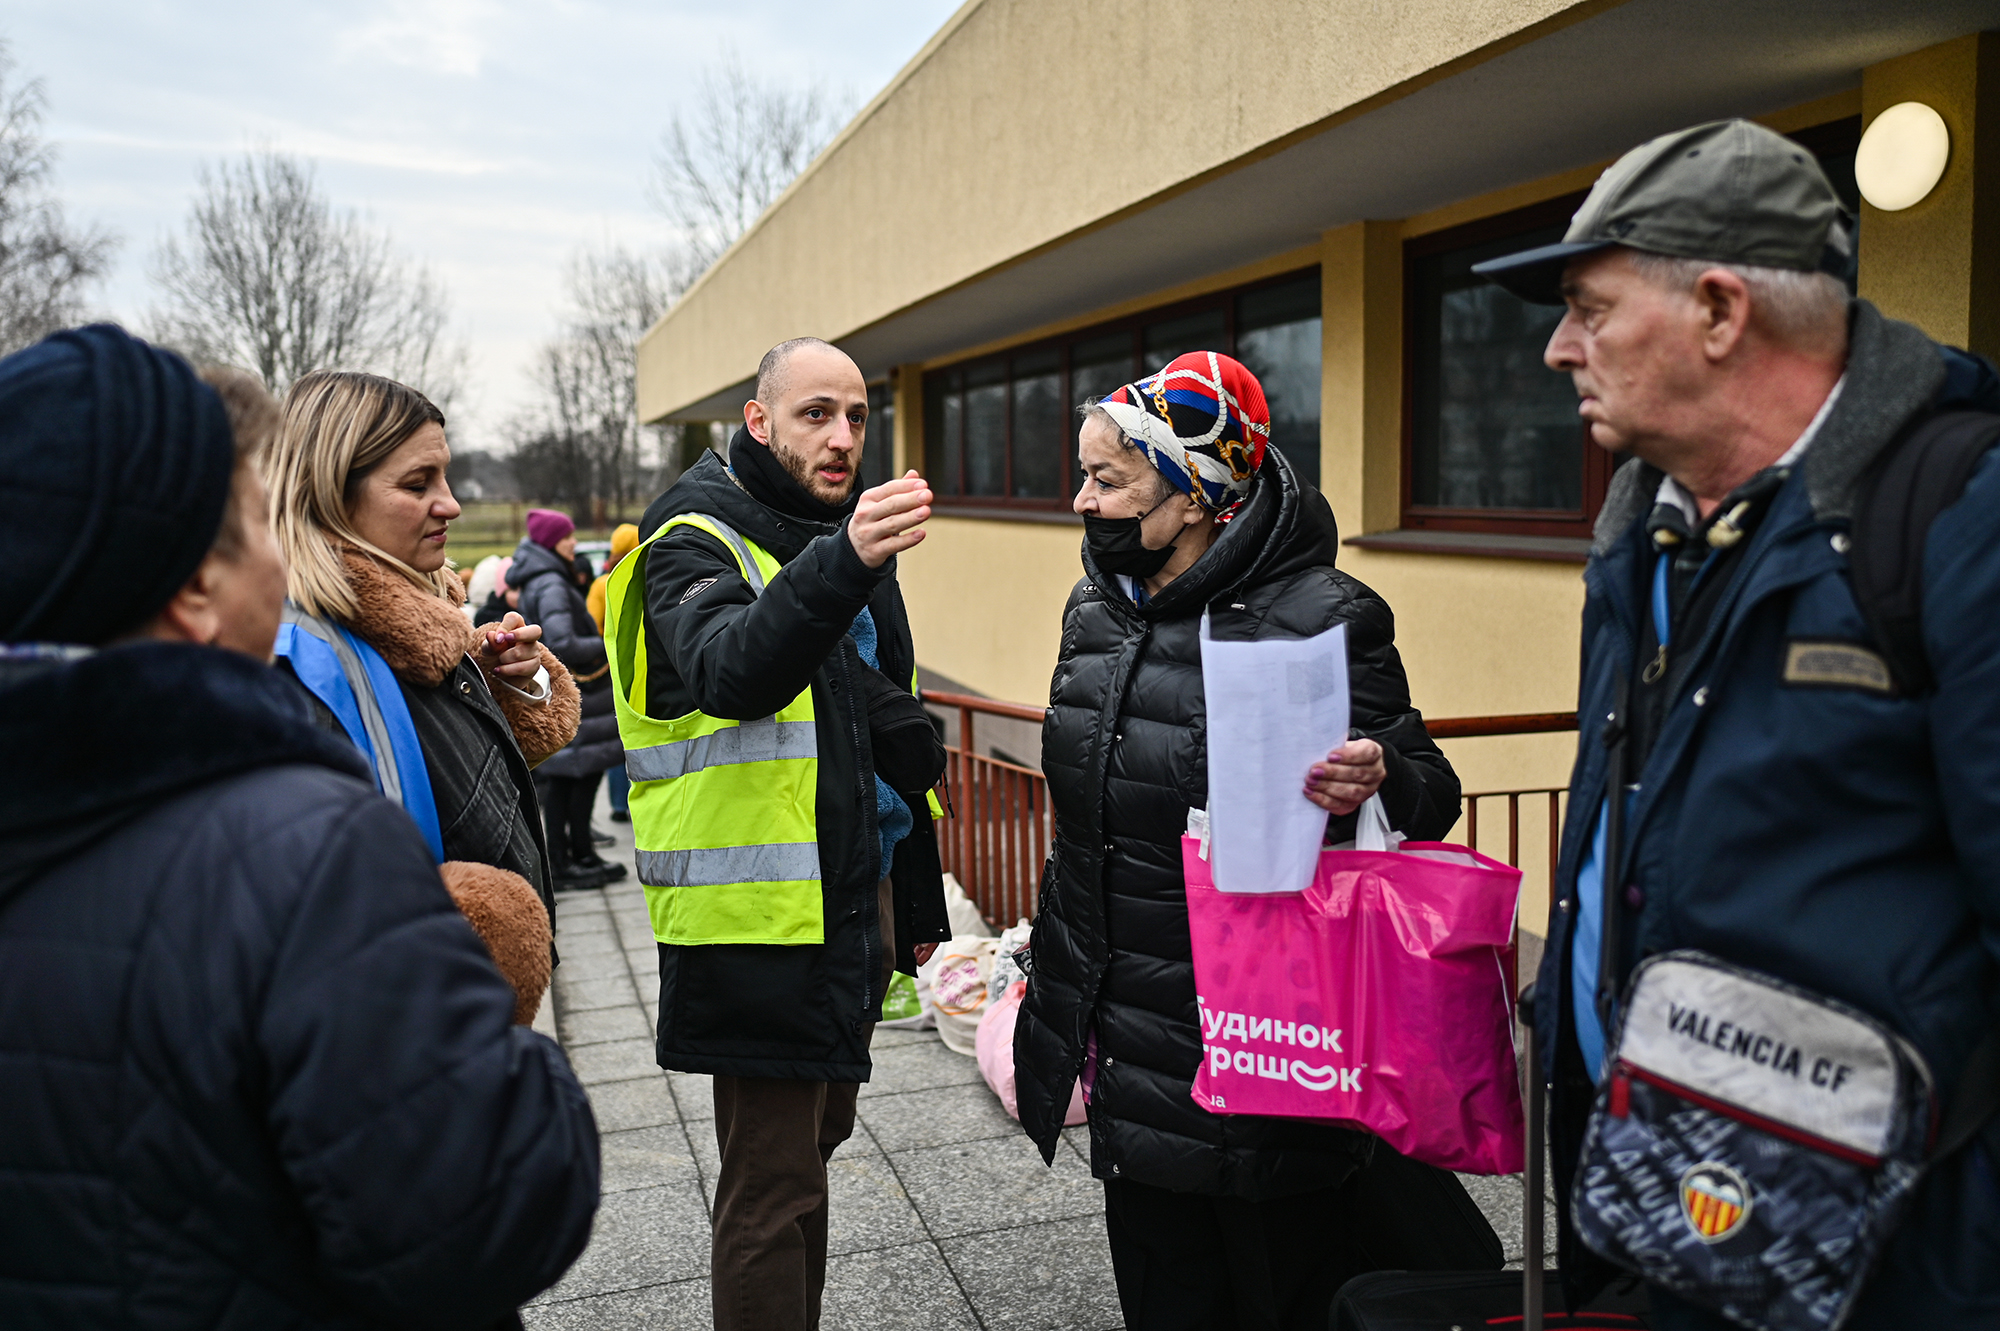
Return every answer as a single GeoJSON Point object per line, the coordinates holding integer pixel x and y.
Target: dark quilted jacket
{"type": "Point", "coordinates": [1125, 747]}
{"type": "Point", "coordinates": [258, 1072]}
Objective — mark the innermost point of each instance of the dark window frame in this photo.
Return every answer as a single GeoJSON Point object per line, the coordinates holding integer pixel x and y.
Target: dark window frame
{"type": "Point", "coordinates": [1833, 137]}
{"type": "Point", "coordinates": [1594, 462]}
{"type": "Point", "coordinates": [1133, 326]}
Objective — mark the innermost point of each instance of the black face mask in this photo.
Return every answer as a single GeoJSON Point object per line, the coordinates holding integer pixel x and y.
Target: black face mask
{"type": "Point", "coordinates": [1119, 546]}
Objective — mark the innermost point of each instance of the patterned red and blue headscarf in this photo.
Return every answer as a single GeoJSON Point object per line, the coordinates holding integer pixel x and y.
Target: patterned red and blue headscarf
{"type": "Point", "coordinates": [1202, 422]}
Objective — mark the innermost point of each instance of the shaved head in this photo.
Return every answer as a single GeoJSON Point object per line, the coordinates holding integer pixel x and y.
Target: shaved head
{"type": "Point", "coordinates": [773, 371]}
{"type": "Point", "coordinates": [811, 411]}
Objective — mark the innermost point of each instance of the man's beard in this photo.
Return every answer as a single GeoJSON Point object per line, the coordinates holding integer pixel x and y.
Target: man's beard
{"type": "Point", "coordinates": [799, 469]}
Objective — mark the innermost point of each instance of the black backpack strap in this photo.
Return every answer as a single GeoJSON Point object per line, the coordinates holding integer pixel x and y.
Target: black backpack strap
{"type": "Point", "coordinates": [1916, 479]}
{"type": "Point", "coordinates": [1977, 1100]}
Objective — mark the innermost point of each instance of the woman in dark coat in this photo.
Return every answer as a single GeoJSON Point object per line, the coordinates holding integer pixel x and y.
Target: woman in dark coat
{"type": "Point", "coordinates": [1214, 1221]}
{"type": "Point", "coordinates": [545, 571]}
{"type": "Point", "coordinates": [363, 509]}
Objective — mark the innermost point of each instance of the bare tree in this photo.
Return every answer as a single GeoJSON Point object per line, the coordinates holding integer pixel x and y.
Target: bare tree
{"type": "Point", "coordinates": [587, 376]}
{"type": "Point", "coordinates": [722, 164]}
{"type": "Point", "coordinates": [270, 276]}
{"type": "Point", "coordinates": [45, 264]}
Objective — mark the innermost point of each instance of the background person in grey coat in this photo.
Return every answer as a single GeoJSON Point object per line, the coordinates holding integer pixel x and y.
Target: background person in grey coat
{"type": "Point", "coordinates": [545, 572]}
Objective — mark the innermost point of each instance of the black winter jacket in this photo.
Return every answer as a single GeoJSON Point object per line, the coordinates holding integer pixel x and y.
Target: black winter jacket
{"type": "Point", "coordinates": [757, 1010]}
{"type": "Point", "coordinates": [551, 598]}
{"type": "Point", "coordinates": [1125, 746]}
{"type": "Point", "coordinates": [259, 1071]}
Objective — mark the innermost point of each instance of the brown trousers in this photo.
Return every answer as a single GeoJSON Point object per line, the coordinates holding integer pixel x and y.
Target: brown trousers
{"type": "Point", "coordinates": [767, 1259]}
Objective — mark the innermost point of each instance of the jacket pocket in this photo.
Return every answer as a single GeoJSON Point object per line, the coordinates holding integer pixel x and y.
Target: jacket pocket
{"type": "Point", "coordinates": [482, 827]}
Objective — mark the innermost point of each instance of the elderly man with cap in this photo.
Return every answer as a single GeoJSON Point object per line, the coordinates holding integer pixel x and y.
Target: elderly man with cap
{"type": "Point", "coordinates": [258, 1070]}
{"type": "Point", "coordinates": [1214, 1221]}
{"type": "Point", "coordinates": [1809, 766]}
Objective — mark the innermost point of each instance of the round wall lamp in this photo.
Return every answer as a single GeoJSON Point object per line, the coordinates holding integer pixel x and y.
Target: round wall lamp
{"type": "Point", "coordinates": [1902, 156]}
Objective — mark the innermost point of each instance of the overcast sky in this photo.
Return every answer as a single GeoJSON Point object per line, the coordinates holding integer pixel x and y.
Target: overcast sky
{"type": "Point", "coordinates": [490, 137]}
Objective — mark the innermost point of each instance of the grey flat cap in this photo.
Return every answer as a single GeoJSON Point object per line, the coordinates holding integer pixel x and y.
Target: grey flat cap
{"type": "Point", "coordinates": [1728, 191]}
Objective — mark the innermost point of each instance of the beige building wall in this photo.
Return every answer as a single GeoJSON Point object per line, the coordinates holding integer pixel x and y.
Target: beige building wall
{"type": "Point", "coordinates": [985, 599]}
{"type": "Point", "coordinates": [1937, 263]}
{"type": "Point", "coordinates": [1004, 116]}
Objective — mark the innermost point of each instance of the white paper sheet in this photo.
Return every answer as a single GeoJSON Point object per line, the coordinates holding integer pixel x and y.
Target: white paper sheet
{"type": "Point", "coordinates": [1275, 708]}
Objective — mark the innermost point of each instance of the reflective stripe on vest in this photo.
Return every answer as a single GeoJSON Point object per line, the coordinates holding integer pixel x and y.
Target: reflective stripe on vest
{"type": "Point", "coordinates": [724, 813]}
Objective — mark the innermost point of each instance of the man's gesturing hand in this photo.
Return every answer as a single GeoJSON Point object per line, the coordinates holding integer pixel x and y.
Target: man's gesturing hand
{"type": "Point", "coordinates": [889, 519]}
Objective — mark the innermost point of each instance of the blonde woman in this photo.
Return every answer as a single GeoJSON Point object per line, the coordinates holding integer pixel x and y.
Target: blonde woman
{"type": "Point", "coordinates": [452, 718]}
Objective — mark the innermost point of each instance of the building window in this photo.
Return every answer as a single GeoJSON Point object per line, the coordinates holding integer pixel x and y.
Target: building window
{"type": "Point", "coordinates": [1000, 431]}
{"type": "Point", "coordinates": [878, 446]}
{"type": "Point", "coordinates": [1492, 441]}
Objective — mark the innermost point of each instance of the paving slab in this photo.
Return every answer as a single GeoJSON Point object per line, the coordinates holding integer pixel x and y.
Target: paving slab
{"type": "Point", "coordinates": [601, 1025]}
{"type": "Point", "coordinates": [866, 1205]}
{"type": "Point", "coordinates": [972, 1186]}
{"type": "Point", "coordinates": [647, 1158]}
{"type": "Point", "coordinates": [581, 945]}
{"type": "Point", "coordinates": [893, 1289]}
{"type": "Point", "coordinates": [643, 1102]}
{"type": "Point", "coordinates": [888, 1037]}
{"type": "Point", "coordinates": [580, 988]}
{"type": "Point", "coordinates": [650, 1236]}
{"type": "Point", "coordinates": [694, 1092]}
{"type": "Point", "coordinates": [936, 1117]}
{"type": "Point", "coordinates": [918, 1066]}
{"type": "Point", "coordinates": [616, 1060]}
{"type": "Point", "coordinates": [683, 1304]}
{"type": "Point", "coordinates": [1040, 1277]}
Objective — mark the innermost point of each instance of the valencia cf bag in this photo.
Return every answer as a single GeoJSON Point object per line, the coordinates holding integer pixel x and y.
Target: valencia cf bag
{"type": "Point", "coordinates": [1754, 1144]}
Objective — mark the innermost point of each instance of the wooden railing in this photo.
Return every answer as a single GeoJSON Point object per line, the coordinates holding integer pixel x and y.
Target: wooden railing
{"type": "Point", "coordinates": [998, 824]}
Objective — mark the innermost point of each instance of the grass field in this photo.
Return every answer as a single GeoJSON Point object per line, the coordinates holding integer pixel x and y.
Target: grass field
{"type": "Point", "coordinates": [495, 529]}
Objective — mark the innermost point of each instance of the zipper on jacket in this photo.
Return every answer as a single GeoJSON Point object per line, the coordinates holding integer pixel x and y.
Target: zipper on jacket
{"type": "Point", "coordinates": [864, 781]}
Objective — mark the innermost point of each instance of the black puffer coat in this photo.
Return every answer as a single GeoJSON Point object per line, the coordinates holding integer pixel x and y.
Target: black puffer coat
{"type": "Point", "coordinates": [551, 598]}
{"type": "Point", "coordinates": [758, 1010]}
{"type": "Point", "coordinates": [258, 1071]}
{"type": "Point", "coordinates": [1125, 747]}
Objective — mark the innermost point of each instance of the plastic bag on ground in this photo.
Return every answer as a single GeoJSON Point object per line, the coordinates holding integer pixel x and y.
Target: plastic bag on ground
{"type": "Point", "coordinates": [995, 1052]}
{"type": "Point", "coordinates": [963, 914]}
{"type": "Point", "coordinates": [957, 975]}
{"type": "Point", "coordinates": [903, 1007]}
{"type": "Point", "coordinates": [1005, 970]}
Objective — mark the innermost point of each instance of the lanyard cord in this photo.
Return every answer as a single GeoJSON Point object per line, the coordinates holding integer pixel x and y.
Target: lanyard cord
{"type": "Point", "coordinates": [1662, 621]}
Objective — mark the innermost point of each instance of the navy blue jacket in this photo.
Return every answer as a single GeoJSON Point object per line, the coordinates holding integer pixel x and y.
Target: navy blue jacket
{"type": "Point", "coordinates": [1840, 839]}
{"type": "Point", "coordinates": [256, 1071]}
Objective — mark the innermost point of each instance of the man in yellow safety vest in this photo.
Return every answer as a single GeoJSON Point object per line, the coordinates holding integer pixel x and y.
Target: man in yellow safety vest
{"type": "Point", "coordinates": [781, 770]}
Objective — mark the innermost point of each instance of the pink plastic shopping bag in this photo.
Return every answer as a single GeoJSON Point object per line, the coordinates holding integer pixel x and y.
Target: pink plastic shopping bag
{"type": "Point", "coordinates": [1376, 998]}
{"type": "Point", "coordinates": [995, 1044]}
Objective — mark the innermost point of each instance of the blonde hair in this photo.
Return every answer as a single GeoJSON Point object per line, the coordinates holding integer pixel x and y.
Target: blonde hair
{"type": "Point", "coordinates": [337, 426]}
{"type": "Point", "coordinates": [253, 420]}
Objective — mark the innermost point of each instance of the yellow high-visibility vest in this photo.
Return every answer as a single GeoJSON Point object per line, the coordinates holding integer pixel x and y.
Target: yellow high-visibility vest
{"type": "Point", "coordinates": [724, 813]}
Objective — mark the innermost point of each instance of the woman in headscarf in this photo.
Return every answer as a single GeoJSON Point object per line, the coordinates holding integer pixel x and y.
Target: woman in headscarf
{"type": "Point", "coordinates": [544, 570]}
{"type": "Point", "coordinates": [1214, 1221]}
{"type": "Point", "coordinates": [452, 718]}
